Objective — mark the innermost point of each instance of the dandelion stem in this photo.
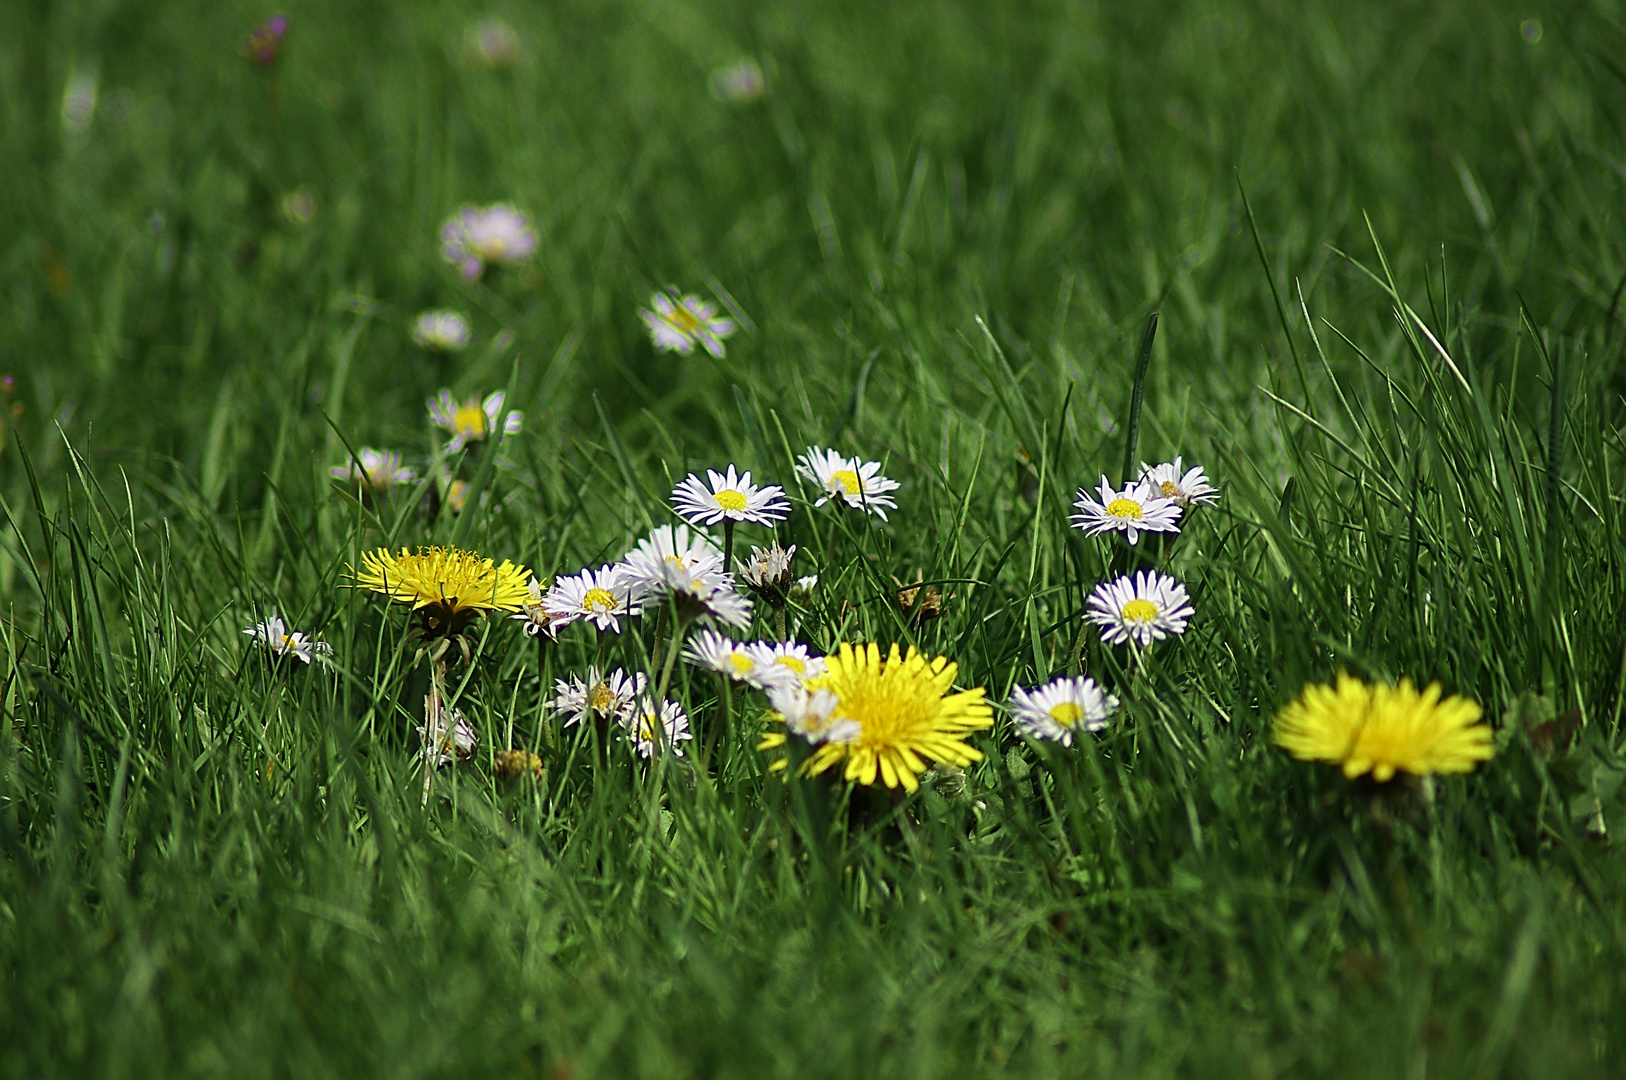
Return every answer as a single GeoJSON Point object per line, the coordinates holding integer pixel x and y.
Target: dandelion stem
{"type": "Point", "coordinates": [432, 720]}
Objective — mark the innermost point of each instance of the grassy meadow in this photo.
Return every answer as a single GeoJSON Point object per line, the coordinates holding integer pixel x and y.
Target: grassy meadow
{"type": "Point", "coordinates": [1385, 247]}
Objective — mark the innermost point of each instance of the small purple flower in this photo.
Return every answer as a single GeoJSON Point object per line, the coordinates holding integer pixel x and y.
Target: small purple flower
{"type": "Point", "coordinates": [264, 42]}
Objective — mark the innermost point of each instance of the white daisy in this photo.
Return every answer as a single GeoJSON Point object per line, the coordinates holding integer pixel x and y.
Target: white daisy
{"type": "Point", "coordinates": [611, 697]}
{"type": "Point", "coordinates": [784, 663]}
{"type": "Point", "coordinates": [1146, 608]}
{"type": "Point", "coordinates": [812, 714]}
{"type": "Point", "coordinates": [674, 727]}
{"type": "Point", "coordinates": [1061, 707]}
{"type": "Point", "coordinates": [376, 470]}
{"type": "Point", "coordinates": [601, 596]}
{"type": "Point", "coordinates": [724, 655]}
{"type": "Point", "coordinates": [454, 741]}
{"type": "Point", "coordinates": [729, 498]}
{"type": "Point", "coordinates": [700, 588]}
{"type": "Point", "coordinates": [670, 546]}
{"type": "Point", "coordinates": [1136, 509]}
{"type": "Point", "coordinates": [677, 324]}
{"type": "Point", "coordinates": [472, 420]}
{"type": "Point", "coordinates": [802, 590]}
{"type": "Point", "coordinates": [477, 235]}
{"type": "Point", "coordinates": [1185, 488]}
{"type": "Point", "coordinates": [534, 614]}
{"type": "Point", "coordinates": [856, 483]}
{"type": "Point", "coordinates": [442, 331]}
{"type": "Point", "coordinates": [273, 635]}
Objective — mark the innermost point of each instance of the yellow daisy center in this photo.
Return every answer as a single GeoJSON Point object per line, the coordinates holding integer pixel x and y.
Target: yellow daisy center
{"type": "Point", "coordinates": [601, 699]}
{"type": "Point", "coordinates": [847, 479]}
{"type": "Point", "coordinates": [682, 319]}
{"type": "Point", "coordinates": [1140, 611]}
{"type": "Point", "coordinates": [1124, 508]}
{"type": "Point", "coordinates": [740, 662]}
{"type": "Point", "coordinates": [1170, 489]}
{"type": "Point", "coordinates": [287, 641]}
{"type": "Point", "coordinates": [599, 601]}
{"type": "Point", "coordinates": [1066, 714]}
{"type": "Point", "coordinates": [792, 662]}
{"type": "Point", "coordinates": [470, 420]}
{"type": "Point", "coordinates": [730, 500]}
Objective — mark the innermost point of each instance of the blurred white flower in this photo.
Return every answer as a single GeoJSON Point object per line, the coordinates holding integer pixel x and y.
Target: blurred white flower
{"type": "Point", "coordinates": [375, 470]}
{"type": "Point", "coordinates": [812, 714]}
{"type": "Point", "coordinates": [739, 82]}
{"type": "Point", "coordinates": [475, 236]}
{"type": "Point", "coordinates": [471, 420]}
{"type": "Point", "coordinates": [673, 728]}
{"type": "Point", "coordinates": [441, 330]}
{"type": "Point", "coordinates": [678, 324]}
{"type": "Point", "coordinates": [493, 43]}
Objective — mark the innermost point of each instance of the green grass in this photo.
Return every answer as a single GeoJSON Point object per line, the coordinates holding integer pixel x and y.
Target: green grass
{"type": "Point", "coordinates": [1386, 251]}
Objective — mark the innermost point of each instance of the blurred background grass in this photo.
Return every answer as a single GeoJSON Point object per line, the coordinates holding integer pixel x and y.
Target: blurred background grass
{"type": "Point", "coordinates": [213, 869]}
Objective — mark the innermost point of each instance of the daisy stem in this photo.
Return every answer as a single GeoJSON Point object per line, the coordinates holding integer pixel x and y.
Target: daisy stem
{"type": "Point", "coordinates": [725, 720]}
{"type": "Point", "coordinates": [680, 627]}
{"type": "Point", "coordinates": [432, 725]}
{"type": "Point", "coordinates": [1078, 647]}
{"type": "Point", "coordinates": [728, 544]}
{"type": "Point", "coordinates": [779, 622]}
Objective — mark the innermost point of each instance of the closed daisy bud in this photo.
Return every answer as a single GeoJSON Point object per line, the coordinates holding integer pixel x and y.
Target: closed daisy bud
{"type": "Point", "coordinates": [767, 573]}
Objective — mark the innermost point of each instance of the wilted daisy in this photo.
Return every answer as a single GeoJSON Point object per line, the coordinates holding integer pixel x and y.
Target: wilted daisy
{"type": "Point", "coordinates": [533, 614]}
{"type": "Point", "coordinates": [1061, 707]}
{"type": "Point", "coordinates": [472, 419]}
{"type": "Point", "coordinates": [767, 572]}
{"type": "Point", "coordinates": [783, 663]}
{"type": "Point", "coordinates": [375, 470]}
{"type": "Point", "coordinates": [678, 324]}
{"type": "Point", "coordinates": [493, 43]}
{"type": "Point", "coordinates": [1184, 487]}
{"type": "Point", "coordinates": [728, 497]}
{"type": "Point", "coordinates": [673, 727]}
{"type": "Point", "coordinates": [454, 740]}
{"type": "Point", "coordinates": [907, 713]}
{"type": "Point", "coordinates": [739, 82]}
{"type": "Point", "coordinates": [441, 331]}
{"type": "Point", "coordinates": [1146, 608]}
{"type": "Point", "coordinates": [510, 764]}
{"type": "Point", "coordinates": [610, 697]}
{"type": "Point", "coordinates": [854, 482]}
{"type": "Point", "coordinates": [477, 235]}
{"type": "Point", "coordinates": [599, 596]}
{"type": "Point", "coordinates": [1138, 508]}
{"type": "Point", "coordinates": [447, 586]}
{"type": "Point", "coordinates": [723, 655]}
{"type": "Point", "coordinates": [813, 714]}
{"type": "Point", "coordinates": [1382, 729]}
{"type": "Point", "coordinates": [281, 641]}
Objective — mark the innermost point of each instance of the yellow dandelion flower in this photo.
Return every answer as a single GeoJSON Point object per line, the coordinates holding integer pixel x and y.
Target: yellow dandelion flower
{"type": "Point", "coordinates": [1383, 730]}
{"type": "Point", "coordinates": [451, 586]}
{"type": "Point", "coordinates": [906, 713]}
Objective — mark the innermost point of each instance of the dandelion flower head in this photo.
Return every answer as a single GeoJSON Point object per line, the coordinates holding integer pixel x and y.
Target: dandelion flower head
{"type": "Point", "coordinates": [1382, 730]}
{"type": "Point", "coordinates": [907, 712]}
{"type": "Point", "coordinates": [451, 586]}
